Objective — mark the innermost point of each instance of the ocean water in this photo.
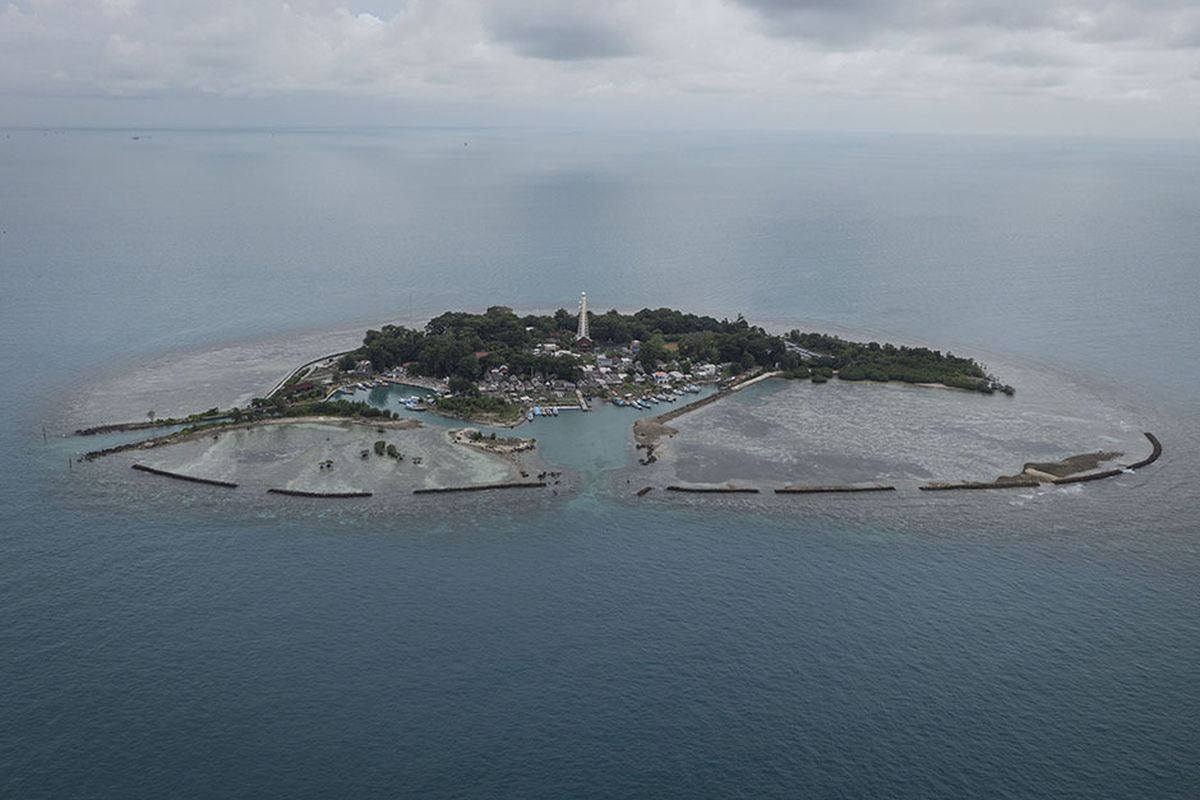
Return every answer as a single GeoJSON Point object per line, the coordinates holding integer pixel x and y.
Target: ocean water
{"type": "Point", "coordinates": [163, 641]}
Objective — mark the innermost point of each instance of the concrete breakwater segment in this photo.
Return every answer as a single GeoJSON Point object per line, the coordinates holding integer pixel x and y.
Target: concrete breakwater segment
{"type": "Point", "coordinates": [180, 477]}
{"type": "Point", "coordinates": [1156, 450]}
{"type": "Point", "coordinates": [713, 489]}
{"type": "Point", "coordinates": [298, 493]}
{"type": "Point", "coordinates": [1091, 476]}
{"type": "Point", "coordinates": [483, 487]}
{"type": "Point", "coordinates": [837, 488]}
{"type": "Point", "coordinates": [92, 455]}
{"type": "Point", "coordinates": [1003, 483]}
{"type": "Point", "coordinates": [692, 406]}
{"type": "Point", "coordinates": [647, 430]}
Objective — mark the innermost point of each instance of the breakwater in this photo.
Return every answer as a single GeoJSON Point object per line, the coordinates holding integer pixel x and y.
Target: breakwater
{"type": "Point", "coordinates": [327, 495]}
{"type": "Point", "coordinates": [1155, 452]}
{"type": "Point", "coordinates": [124, 427]}
{"type": "Point", "coordinates": [1091, 476]}
{"type": "Point", "coordinates": [181, 477]}
{"type": "Point", "coordinates": [1003, 483]}
{"type": "Point", "coordinates": [692, 406]}
{"type": "Point", "coordinates": [92, 455]}
{"type": "Point", "coordinates": [714, 489]}
{"type": "Point", "coordinates": [482, 487]}
{"type": "Point", "coordinates": [838, 488]}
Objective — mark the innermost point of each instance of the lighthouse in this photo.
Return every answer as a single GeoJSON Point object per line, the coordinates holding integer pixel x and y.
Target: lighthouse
{"type": "Point", "coordinates": [583, 341]}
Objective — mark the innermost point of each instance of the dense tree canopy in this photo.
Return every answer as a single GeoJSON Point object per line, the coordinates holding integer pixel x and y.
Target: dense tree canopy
{"type": "Point", "coordinates": [464, 345]}
{"type": "Point", "coordinates": [887, 362]}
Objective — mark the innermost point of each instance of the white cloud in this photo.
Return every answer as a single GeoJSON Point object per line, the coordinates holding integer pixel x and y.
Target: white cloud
{"type": "Point", "coordinates": [763, 56]}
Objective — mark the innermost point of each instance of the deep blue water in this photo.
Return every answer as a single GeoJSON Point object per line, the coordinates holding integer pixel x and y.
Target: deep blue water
{"type": "Point", "coordinates": [598, 647]}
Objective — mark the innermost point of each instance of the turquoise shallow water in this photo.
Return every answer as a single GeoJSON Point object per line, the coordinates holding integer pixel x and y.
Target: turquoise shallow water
{"type": "Point", "coordinates": [166, 642]}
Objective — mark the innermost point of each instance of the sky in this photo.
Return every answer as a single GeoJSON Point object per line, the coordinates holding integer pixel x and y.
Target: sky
{"type": "Point", "coordinates": [1108, 67]}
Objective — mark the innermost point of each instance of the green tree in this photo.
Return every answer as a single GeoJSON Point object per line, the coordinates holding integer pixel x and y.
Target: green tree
{"type": "Point", "coordinates": [463, 386]}
{"type": "Point", "coordinates": [652, 351]}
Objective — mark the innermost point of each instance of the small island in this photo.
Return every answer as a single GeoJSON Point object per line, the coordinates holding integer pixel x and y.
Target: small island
{"type": "Point", "coordinates": [498, 369]}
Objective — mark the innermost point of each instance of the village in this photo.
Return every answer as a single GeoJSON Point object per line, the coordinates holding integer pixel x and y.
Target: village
{"type": "Point", "coordinates": [579, 372]}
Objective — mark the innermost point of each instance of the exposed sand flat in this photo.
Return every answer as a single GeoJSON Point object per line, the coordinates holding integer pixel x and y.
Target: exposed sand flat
{"type": "Point", "coordinates": [1071, 465]}
{"type": "Point", "coordinates": [778, 434]}
{"type": "Point", "coordinates": [332, 457]}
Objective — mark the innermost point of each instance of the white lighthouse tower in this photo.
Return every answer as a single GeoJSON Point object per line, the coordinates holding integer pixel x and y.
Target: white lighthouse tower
{"type": "Point", "coordinates": [583, 341]}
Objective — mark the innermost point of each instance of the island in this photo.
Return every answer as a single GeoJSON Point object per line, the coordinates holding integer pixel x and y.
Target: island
{"type": "Point", "coordinates": [498, 369]}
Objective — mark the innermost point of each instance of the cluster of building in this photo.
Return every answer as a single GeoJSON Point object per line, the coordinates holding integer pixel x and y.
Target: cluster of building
{"type": "Point", "coordinates": [602, 374]}
{"type": "Point", "coordinates": [616, 373]}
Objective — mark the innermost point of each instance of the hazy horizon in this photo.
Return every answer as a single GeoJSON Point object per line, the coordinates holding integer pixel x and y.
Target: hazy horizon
{"type": "Point", "coordinates": [1059, 68]}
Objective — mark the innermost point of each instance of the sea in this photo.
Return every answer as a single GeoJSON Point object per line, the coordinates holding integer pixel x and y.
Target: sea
{"type": "Point", "coordinates": [164, 641]}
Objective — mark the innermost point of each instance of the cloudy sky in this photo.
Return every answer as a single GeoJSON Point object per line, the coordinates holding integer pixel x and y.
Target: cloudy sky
{"type": "Point", "coordinates": [1029, 66]}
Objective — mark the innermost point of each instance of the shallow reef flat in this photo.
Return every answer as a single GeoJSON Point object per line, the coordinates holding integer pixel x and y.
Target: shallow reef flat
{"type": "Point", "coordinates": [331, 458]}
{"type": "Point", "coordinates": [795, 432]}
